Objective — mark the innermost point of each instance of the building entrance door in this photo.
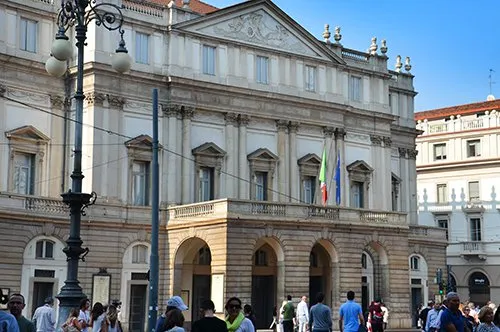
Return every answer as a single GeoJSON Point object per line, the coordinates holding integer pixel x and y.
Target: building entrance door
{"type": "Point", "coordinates": [416, 300]}
{"type": "Point", "coordinates": [137, 306]}
{"type": "Point", "coordinates": [41, 290]}
{"type": "Point", "coordinates": [201, 292]}
{"type": "Point", "coordinates": [263, 298]}
{"type": "Point", "coordinates": [316, 285]}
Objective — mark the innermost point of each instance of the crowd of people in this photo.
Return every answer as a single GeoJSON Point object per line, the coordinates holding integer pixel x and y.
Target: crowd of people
{"type": "Point", "coordinates": [453, 316]}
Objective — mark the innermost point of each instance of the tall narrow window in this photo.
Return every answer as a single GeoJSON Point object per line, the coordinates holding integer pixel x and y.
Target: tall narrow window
{"type": "Point", "coordinates": [475, 229]}
{"type": "Point", "coordinates": [473, 148]}
{"type": "Point", "coordinates": [310, 78]}
{"type": "Point", "coordinates": [415, 263]}
{"type": "Point", "coordinates": [44, 249]}
{"type": "Point", "coordinates": [474, 191]}
{"type": "Point", "coordinates": [24, 173]}
{"type": "Point", "coordinates": [442, 193]}
{"type": "Point", "coordinates": [206, 187]}
{"type": "Point", "coordinates": [208, 60]}
{"type": "Point", "coordinates": [357, 194]}
{"type": "Point", "coordinates": [141, 48]}
{"type": "Point", "coordinates": [28, 34]}
{"type": "Point", "coordinates": [260, 186]}
{"type": "Point", "coordinates": [309, 189]}
{"type": "Point", "coordinates": [355, 88]}
{"type": "Point", "coordinates": [260, 258]}
{"type": "Point", "coordinates": [140, 182]}
{"type": "Point", "coordinates": [443, 223]}
{"type": "Point", "coordinates": [440, 151]}
{"type": "Point", "coordinates": [140, 254]}
{"type": "Point", "coordinates": [262, 69]}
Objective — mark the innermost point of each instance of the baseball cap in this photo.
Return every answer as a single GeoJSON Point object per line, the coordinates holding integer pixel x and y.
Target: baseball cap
{"type": "Point", "coordinates": [176, 302]}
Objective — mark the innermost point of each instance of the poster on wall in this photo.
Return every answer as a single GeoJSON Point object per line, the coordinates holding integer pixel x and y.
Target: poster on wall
{"type": "Point", "coordinates": [217, 292]}
{"type": "Point", "coordinates": [101, 285]}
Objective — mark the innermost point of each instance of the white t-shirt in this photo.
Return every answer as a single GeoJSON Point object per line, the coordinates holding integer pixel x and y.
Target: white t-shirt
{"type": "Point", "coordinates": [84, 316]}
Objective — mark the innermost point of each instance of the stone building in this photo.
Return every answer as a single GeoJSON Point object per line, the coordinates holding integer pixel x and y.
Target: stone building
{"type": "Point", "coordinates": [249, 102]}
{"type": "Point", "coordinates": [458, 176]}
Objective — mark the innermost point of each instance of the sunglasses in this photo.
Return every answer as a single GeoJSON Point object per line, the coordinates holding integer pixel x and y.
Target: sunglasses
{"type": "Point", "coordinates": [234, 306]}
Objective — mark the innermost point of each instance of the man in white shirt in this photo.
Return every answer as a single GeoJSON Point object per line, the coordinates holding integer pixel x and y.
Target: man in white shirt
{"type": "Point", "coordinates": [303, 314]}
{"type": "Point", "coordinates": [45, 316]}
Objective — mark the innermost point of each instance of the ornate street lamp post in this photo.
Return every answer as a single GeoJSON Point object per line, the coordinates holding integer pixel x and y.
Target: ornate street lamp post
{"type": "Point", "coordinates": [80, 13]}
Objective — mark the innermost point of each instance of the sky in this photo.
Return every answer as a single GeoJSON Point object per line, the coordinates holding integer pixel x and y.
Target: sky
{"type": "Point", "coordinates": [452, 43]}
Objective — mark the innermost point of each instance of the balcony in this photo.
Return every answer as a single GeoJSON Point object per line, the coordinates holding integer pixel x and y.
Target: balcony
{"type": "Point", "coordinates": [427, 233]}
{"type": "Point", "coordinates": [490, 120]}
{"type": "Point", "coordinates": [473, 249]}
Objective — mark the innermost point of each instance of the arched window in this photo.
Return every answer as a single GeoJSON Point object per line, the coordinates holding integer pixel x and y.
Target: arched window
{"type": "Point", "coordinates": [415, 263]}
{"type": "Point", "coordinates": [260, 258]}
{"type": "Point", "coordinates": [204, 256]}
{"type": "Point", "coordinates": [44, 249]}
{"type": "Point", "coordinates": [364, 263]}
{"type": "Point", "coordinates": [140, 254]}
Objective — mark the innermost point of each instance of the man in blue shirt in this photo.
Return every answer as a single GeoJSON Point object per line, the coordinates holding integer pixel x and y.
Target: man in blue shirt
{"type": "Point", "coordinates": [320, 319]}
{"type": "Point", "coordinates": [451, 319]}
{"type": "Point", "coordinates": [351, 315]}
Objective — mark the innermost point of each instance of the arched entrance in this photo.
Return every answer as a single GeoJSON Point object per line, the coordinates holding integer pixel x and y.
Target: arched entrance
{"type": "Point", "coordinates": [192, 275]}
{"type": "Point", "coordinates": [479, 288]}
{"type": "Point", "coordinates": [374, 264]}
{"type": "Point", "coordinates": [366, 280]}
{"type": "Point", "coordinates": [267, 263]}
{"type": "Point", "coordinates": [418, 284]}
{"type": "Point", "coordinates": [320, 274]}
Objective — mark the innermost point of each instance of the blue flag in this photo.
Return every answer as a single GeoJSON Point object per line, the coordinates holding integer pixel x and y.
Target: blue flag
{"type": "Point", "coordinates": [337, 180]}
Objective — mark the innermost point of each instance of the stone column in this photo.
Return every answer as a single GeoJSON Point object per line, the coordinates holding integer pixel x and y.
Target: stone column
{"type": "Point", "coordinates": [330, 166]}
{"type": "Point", "coordinates": [293, 127]}
{"type": "Point", "coordinates": [243, 171]}
{"type": "Point", "coordinates": [187, 188]}
{"type": "Point", "coordinates": [340, 147]}
{"type": "Point", "coordinates": [412, 166]}
{"type": "Point", "coordinates": [113, 121]}
{"type": "Point", "coordinates": [378, 188]}
{"type": "Point", "coordinates": [282, 126]}
{"type": "Point", "coordinates": [405, 180]}
{"type": "Point", "coordinates": [58, 105]}
{"type": "Point", "coordinates": [388, 172]}
{"type": "Point", "coordinates": [171, 112]}
{"type": "Point", "coordinates": [231, 156]}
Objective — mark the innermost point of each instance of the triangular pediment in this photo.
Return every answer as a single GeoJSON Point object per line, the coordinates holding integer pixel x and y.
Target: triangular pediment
{"type": "Point", "coordinates": [140, 142]}
{"type": "Point", "coordinates": [359, 166]}
{"type": "Point", "coordinates": [262, 24]}
{"type": "Point", "coordinates": [395, 178]}
{"type": "Point", "coordinates": [262, 154]}
{"type": "Point", "coordinates": [311, 159]}
{"type": "Point", "coordinates": [209, 149]}
{"type": "Point", "coordinates": [29, 133]}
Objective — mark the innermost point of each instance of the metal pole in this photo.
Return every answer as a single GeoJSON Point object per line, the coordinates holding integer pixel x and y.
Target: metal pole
{"type": "Point", "coordinates": [71, 293]}
{"type": "Point", "coordinates": [153, 261]}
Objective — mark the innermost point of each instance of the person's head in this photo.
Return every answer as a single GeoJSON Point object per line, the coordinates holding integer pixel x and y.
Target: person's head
{"type": "Point", "coordinates": [174, 318]}
{"type": "Point", "coordinates": [74, 312]}
{"type": "Point", "coordinates": [453, 301]}
{"type": "Point", "coordinates": [176, 302]}
{"type": "Point", "coordinates": [16, 304]}
{"type": "Point", "coordinates": [233, 307]}
{"type": "Point", "coordinates": [49, 301]}
{"type": "Point", "coordinates": [247, 309]}
{"type": "Point", "coordinates": [378, 300]}
{"type": "Point", "coordinates": [289, 297]}
{"type": "Point", "coordinates": [466, 311]}
{"type": "Point", "coordinates": [485, 315]}
{"type": "Point", "coordinates": [350, 295]}
{"type": "Point", "coordinates": [85, 304]}
{"type": "Point", "coordinates": [320, 297]}
{"type": "Point", "coordinates": [304, 298]}
{"type": "Point", "coordinates": [207, 307]}
{"type": "Point", "coordinates": [112, 314]}
{"type": "Point", "coordinates": [470, 305]}
{"type": "Point", "coordinates": [430, 304]}
{"type": "Point", "coordinates": [437, 306]}
{"type": "Point", "coordinates": [97, 310]}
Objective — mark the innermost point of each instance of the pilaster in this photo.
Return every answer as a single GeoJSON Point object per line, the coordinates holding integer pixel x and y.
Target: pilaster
{"type": "Point", "coordinates": [340, 145]}
{"type": "Point", "coordinates": [330, 164]}
{"type": "Point", "coordinates": [412, 166]}
{"type": "Point", "coordinates": [405, 177]}
{"type": "Point", "coordinates": [378, 187]}
{"type": "Point", "coordinates": [282, 127]}
{"type": "Point", "coordinates": [231, 157]}
{"type": "Point", "coordinates": [187, 164]}
{"type": "Point", "coordinates": [243, 171]}
{"type": "Point", "coordinates": [172, 112]}
{"type": "Point", "coordinates": [294, 176]}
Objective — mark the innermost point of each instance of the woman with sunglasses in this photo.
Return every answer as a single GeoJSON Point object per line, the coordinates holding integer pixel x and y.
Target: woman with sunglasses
{"type": "Point", "coordinates": [235, 320]}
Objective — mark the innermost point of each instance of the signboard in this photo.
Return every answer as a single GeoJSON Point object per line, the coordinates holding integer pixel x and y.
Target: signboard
{"type": "Point", "coordinates": [217, 292]}
{"type": "Point", "coordinates": [101, 285]}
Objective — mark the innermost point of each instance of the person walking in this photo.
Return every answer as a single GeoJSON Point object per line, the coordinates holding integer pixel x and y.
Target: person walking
{"type": "Point", "coordinates": [486, 318]}
{"type": "Point", "coordinates": [385, 313]}
{"type": "Point", "coordinates": [303, 314]}
{"type": "Point", "coordinates": [424, 313]}
{"type": "Point", "coordinates": [432, 320]}
{"type": "Point", "coordinates": [235, 320]}
{"type": "Point", "coordinates": [451, 318]}
{"type": "Point", "coordinates": [376, 316]}
{"type": "Point", "coordinates": [16, 305]}
{"type": "Point", "coordinates": [208, 323]}
{"type": "Point", "coordinates": [320, 319]}
{"type": "Point", "coordinates": [288, 315]}
{"type": "Point", "coordinates": [175, 302]}
{"type": "Point", "coordinates": [350, 315]}
{"type": "Point", "coordinates": [248, 312]}
{"type": "Point", "coordinates": [71, 324]}
{"type": "Point", "coordinates": [174, 321]}
{"type": "Point", "coordinates": [97, 316]}
{"type": "Point", "coordinates": [111, 323]}
{"type": "Point", "coordinates": [84, 315]}
{"type": "Point", "coordinates": [44, 317]}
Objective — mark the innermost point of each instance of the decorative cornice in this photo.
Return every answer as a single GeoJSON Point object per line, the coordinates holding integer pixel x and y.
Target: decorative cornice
{"type": "Point", "coordinates": [171, 110]}
{"type": "Point", "coordinates": [187, 112]}
{"type": "Point", "coordinates": [244, 120]}
{"type": "Point", "coordinates": [293, 127]}
{"type": "Point", "coordinates": [281, 125]}
{"type": "Point", "coordinates": [328, 131]}
{"type": "Point", "coordinates": [231, 118]}
{"type": "Point", "coordinates": [93, 98]}
{"type": "Point", "coordinates": [376, 140]}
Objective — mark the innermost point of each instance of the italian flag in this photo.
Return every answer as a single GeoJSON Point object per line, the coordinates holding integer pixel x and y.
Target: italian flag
{"type": "Point", "coordinates": [322, 178]}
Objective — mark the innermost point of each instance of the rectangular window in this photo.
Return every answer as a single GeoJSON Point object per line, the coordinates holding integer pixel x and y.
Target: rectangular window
{"type": "Point", "coordinates": [473, 148]}
{"type": "Point", "coordinates": [475, 229]}
{"type": "Point", "coordinates": [24, 173]}
{"type": "Point", "coordinates": [308, 189]}
{"type": "Point", "coordinates": [208, 60]}
{"type": "Point", "coordinates": [440, 151]}
{"type": "Point", "coordinates": [140, 183]}
{"type": "Point", "coordinates": [443, 223]}
{"type": "Point", "coordinates": [262, 69]}
{"type": "Point", "coordinates": [442, 193]}
{"type": "Point", "coordinates": [357, 195]}
{"type": "Point", "coordinates": [260, 180]}
{"type": "Point", "coordinates": [474, 191]}
{"type": "Point", "coordinates": [310, 78]}
{"type": "Point", "coordinates": [141, 48]}
{"type": "Point", "coordinates": [355, 88]}
{"type": "Point", "coordinates": [206, 184]}
{"type": "Point", "coordinates": [28, 34]}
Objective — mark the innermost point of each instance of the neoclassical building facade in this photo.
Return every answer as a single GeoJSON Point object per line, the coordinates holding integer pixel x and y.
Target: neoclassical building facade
{"type": "Point", "coordinates": [458, 177]}
{"type": "Point", "coordinates": [249, 101]}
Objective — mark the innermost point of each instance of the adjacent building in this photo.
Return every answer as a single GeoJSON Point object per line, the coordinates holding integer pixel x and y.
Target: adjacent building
{"type": "Point", "coordinates": [458, 178]}
{"type": "Point", "coordinates": [249, 101]}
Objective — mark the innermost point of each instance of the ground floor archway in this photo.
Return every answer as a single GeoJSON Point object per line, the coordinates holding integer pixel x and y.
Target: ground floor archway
{"type": "Point", "coordinates": [479, 288]}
